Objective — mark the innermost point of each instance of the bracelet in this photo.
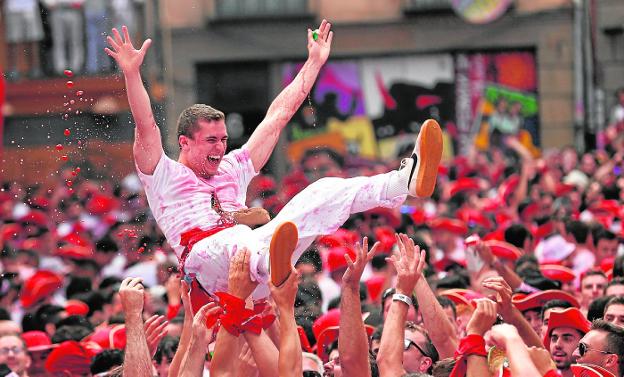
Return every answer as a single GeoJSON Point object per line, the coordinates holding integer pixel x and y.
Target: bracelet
{"type": "Point", "coordinates": [403, 298]}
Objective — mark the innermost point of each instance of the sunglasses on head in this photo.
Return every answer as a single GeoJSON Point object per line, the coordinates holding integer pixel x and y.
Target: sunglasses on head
{"type": "Point", "coordinates": [584, 348]}
{"type": "Point", "coordinates": [408, 343]}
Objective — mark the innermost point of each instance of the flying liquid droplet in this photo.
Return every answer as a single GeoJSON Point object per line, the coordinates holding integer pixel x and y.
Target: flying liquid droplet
{"type": "Point", "coordinates": [69, 84]}
{"type": "Point", "coordinates": [67, 132]}
{"type": "Point", "coordinates": [68, 73]}
{"type": "Point", "coordinates": [59, 147]}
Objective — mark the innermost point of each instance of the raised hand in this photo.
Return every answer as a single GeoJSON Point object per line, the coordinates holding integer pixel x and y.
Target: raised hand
{"type": "Point", "coordinates": [318, 50]}
{"type": "Point", "coordinates": [503, 296]}
{"type": "Point", "coordinates": [204, 321]}
{"type": "Point", "coordinates": [131, 294]}
{"type": "Point", "coordinates": [155, 329]}
{"type": "Point", "coordinates": [500, 335]}
{"type": "Point", "coordinates": [284, 295]}
{"type": "Point", "coordinates": [483, 318]}
{"type": "Point", "coordinates": [542, 360]}
{"type": "Point", "coordinates": [239, 279]}
{"type": "Point", "coordinates": [409, 264]}
{"type": "Point", "coordinates": [352, 275]}
{"type": "Point", "coordinates": [127, 57]}
{"type": "Point", "coordinates": [186, 299]}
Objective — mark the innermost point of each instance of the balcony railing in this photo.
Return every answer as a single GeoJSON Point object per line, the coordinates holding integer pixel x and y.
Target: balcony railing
{"type": "Point", "coordinates": [249, 9]}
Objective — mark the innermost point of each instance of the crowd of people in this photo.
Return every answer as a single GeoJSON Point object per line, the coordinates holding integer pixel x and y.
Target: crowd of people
{"type": "Point", "coordinates": [69, 32]}
{"type": "Point", "coordinates": [506, 237]}
{"type": "Point", "coordinates": [514, 266]}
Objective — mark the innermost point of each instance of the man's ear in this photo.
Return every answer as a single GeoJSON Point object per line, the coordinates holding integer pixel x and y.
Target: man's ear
{"type": "Point", "coordinates": [183, 141]}
{"type": "Point", "coordinates": [425, 364]}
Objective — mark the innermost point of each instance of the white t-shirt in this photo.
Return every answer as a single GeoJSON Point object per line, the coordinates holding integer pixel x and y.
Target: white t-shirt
{"type": "Point", "coordinates": [181, 201]}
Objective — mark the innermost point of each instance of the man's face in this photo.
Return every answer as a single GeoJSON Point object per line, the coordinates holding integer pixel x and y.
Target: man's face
{"type": "Point", "coordinates": [592, 287]}
{"type": "Point", "coordinates": [596, 341]}
{"type": "Point", "coordinates": [563, 342]}
{"type": "Point", "coordinates": [332, 367]}
{"type": "Point", "coordinates": [546, 319]}
{"type": "Point", "coordinates": [413, 359]}
{"type": "Point", "coordinates": [605, 249]}
{"type": "Point", "coordinates": [534, 319]}
{"type": "Point", "coordinates": [615, 314]}
{"type": "Point", "coordinates": [38, 359]}
{"type": "Point", "coordinates": [13, 354]}
{"type": "Point", "coordinates": [205, 150]}
{"type": "Point", "coordinates": [615, 290]}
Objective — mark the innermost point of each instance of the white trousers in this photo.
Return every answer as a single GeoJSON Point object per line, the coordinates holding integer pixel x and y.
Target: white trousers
{"type": "Point", "coordinates": [319, 209]}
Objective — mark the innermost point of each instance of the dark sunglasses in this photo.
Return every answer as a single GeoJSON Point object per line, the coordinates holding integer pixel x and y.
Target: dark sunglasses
{"type": "Point", "coordinates": [407, 343]}
{"type": "Point", "coordinates": [311, 373]}
{"type": "Point", "coordinates": [584, 348]}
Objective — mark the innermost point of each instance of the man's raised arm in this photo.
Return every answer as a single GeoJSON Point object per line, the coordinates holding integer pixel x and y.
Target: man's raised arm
{"type": "Point", "coordinates": [147, 144]}
{"type": "Point", "coordinates": [265, 137]}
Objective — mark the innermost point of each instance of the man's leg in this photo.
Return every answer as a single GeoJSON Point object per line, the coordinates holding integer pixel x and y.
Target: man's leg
{"type": "Point", "coordinates": [325, 205]}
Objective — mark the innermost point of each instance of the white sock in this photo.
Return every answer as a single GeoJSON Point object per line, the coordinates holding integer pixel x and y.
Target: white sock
{"type": "Point", "coordinates": [397, 182]}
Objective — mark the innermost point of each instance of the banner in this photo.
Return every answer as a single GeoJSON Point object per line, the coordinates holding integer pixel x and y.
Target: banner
{"type": "Point", "coordinates": [496, 96]}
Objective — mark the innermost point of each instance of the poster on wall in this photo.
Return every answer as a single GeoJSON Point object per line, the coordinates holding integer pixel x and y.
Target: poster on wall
{"type": "Point", "coordinates": [496, 96]}
{"type": "Point", "coordinates": [374, 107]}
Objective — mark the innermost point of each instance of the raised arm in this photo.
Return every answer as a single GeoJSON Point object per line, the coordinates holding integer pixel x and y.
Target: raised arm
{"type": "Point", "coordinates": [520, 363]}
{"type": "Point", "coordinates": [265, 137]}
{"type": "Point", "coordinates": [137, 362]}
{"type": "Point", "coordinates": [289, 360]}
{"type": "Point", "coordinates": [409, 265]}
{"type": "Point", "coordinates": [352, 339]}
{"type": "Point", "coordinates": [193, 359]}
{"type": "Point", "coordinates": [187, 327]}
{"type": "Point", "coordinates": [147, 144]}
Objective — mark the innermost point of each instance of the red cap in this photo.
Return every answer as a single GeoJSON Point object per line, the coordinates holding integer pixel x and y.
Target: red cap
{"type": "Point", "coordinates": [303, 338]}
{"type": "Point", "coordinates": [109, 337]}
{"type": "Point", "coordinates": [450, 225]}
{"type": "Point", "coordinates": [76, 307]}
{"type": "Point", "coordinates": [101, 204]}
{"type": "Point", "coordinates": [41, 285]}
{"type": "Point", "coordinates": [10, 231]}
{"type": "Point", "coordinates": [462, 296]}
{"type": "Point", "coordinates": [325, 330]}
{"type": "Point", "coordinates": [74, 252]}
{"type": "Point", "coordinates": [608, 208]}
{"type": "Point", "coordinates": [508, 187]}
{"type": "Point", "coordinates": [464, 184]}
{"type": "Point", "coordinates": [529, 212]}
{"type": "Point", "coordinates": [474, 217]}
{"type": "Point", "coordinates": [504, 250]}
{"type": "Point", "coordinates": [265, 183]}
{"type": "Point", "coordinates": [386, 237]}
{"type": "Point", "coordinates": [586, 370]}
{"type": "Point", "coordinates": [559, 273]}
{"type": "Point", "coordinates": [375, 285]}
{"type": "Point", "coordinates": [75, 239]}
{"type": "Point", "coordinates": [330, 240]}
{"type": "Point", "coordinates": [524, 302]}
{"type": "Point", "coordinates": [32, 244]}
{"type": "Point", "coordinates": [497, 235]}
{"type": "Point", "coordinates": [607, 264]}
{"type": "Point", "coordinates": [35, 217]}
{"type": "Point", "coordinates": [40, 201]}
{"type": "Point", "coordinates": [336, 257]}
{"type": "Point", "coordinates": [70, 357]}
{"type": "Point", "coordinates": [570, 317]}
{"type": "Point", "coordinates": [563, 189]}
{"type": "Point", "coordinates": [341, 237]}
{"type": "Point", "coordinates": [37, 341]}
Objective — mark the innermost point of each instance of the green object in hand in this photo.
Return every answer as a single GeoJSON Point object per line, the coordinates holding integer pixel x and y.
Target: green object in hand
{"type": "Point", "coordinates": [315, 34]}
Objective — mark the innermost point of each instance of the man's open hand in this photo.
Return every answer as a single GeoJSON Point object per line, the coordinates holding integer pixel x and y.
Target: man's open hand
{"type": "Point", "coordinates": [353, 274]}
{"type": "Point", "coordinates": [127, 57]}
{"type": "Point", "coordinates": [409, 263]}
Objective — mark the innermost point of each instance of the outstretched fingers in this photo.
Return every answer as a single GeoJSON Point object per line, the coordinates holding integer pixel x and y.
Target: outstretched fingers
{"type": "Point", "coordinates": [117, 37]}
{"type": "Point", "coordinates": [146, 45]}
{"type": "Point", "coordinates": [124, 30]}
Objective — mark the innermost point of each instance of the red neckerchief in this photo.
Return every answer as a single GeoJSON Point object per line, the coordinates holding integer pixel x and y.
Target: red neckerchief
{"type": "Point", "coordinates": [470, 345]}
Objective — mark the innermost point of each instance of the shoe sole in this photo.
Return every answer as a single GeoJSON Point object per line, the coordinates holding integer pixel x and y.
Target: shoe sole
{"type": "Point", "coordinates": [429, 156]}
{"type": "Point", "coordinates": [283, 244]}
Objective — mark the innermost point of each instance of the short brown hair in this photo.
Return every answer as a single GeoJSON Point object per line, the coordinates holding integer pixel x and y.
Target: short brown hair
{"type": "Point", "coordinates": [187, 122]}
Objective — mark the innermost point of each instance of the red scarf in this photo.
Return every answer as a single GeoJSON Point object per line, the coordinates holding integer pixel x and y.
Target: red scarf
{"type": "Point", "coordinates": [470, 345]}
